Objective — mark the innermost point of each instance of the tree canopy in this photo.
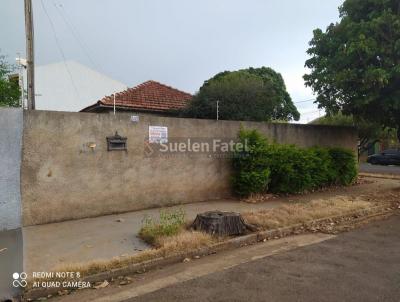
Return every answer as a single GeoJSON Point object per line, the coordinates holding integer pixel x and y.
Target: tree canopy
{"type": "Point", "coordinates": [355, 63]}
{"type": "Point", "coordinates": [256, 94]}
{"type": "Point", "coordinates": [9, 89]}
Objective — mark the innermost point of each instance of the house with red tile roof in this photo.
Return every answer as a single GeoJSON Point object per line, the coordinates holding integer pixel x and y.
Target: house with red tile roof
{"type": "Point", "coordinates": [148, 97]}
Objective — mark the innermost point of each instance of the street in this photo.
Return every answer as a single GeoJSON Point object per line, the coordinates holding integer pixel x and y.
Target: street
{"type": "Point", "coordinates": [362, 265]}
{"type": "Point", "coordinates": [368, 168]}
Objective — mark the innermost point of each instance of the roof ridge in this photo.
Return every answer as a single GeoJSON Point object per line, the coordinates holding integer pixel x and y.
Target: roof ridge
{"type": "Point", "coordinates": [170, 87]}
{"type": "Point", "coordinates": [150, 94]}
{"type": "Point", "coordinates": [146, 83]}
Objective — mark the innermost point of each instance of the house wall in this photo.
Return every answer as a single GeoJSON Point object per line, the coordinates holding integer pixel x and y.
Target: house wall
{"type": "Point", "coordinates": [56, 91]}
{"type": "Point", "coordinates": [10, 160]}
{"type": "Point", "coordinates": [63, 178]}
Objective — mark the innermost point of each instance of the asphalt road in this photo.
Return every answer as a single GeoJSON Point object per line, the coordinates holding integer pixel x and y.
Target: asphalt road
{"type": "Point", "coordinates": [362, 265]}
{"type": "Point", "coordinates": [368, 168]}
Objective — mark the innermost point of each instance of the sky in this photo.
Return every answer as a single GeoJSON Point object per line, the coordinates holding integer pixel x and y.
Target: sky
{"type": "Point", "coordinates": [180, 43]}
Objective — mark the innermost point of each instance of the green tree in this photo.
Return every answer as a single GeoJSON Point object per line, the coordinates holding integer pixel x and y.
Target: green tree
{"type": "Point", "coordinates": [9, 89]}
{"type": "Point", "coordinates": [257, 94]}
{"type": "Point", "coordinates": [355, 63]}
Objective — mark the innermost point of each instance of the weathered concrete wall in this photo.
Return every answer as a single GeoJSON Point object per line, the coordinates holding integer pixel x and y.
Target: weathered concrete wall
{"type": "Point", "coordinates": [10, 161]}
{"type": "Point", "coordinates": [63, 178]}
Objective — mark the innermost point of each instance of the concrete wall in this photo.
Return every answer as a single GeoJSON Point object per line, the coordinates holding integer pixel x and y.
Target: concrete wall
{"type": "Point", "coordinates": [63, 178]}
{"type": "Point", "coordinates": [10, 161]}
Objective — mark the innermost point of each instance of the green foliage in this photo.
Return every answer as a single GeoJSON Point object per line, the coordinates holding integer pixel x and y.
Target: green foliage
{"type": "Point", "coordinates": [257, 94]}
{"type": "Point", "coordinates": [338, 119]}
{"type": "Point", "coordinates": [9, 89]}
{"type": "Point", "coordinates": [249, 163]}
{"type": "Point", "coordinates": [322, 167]}
{"type": "Point", "coordinates": [168, 224]}
{"type": "Point", "coordinates": [345, 166]}
{"type": "Point", "coordinates": [355, 63]}
{"type": "Point", "coordinates": [248, 182]}
{"type": "Point", "coordinates": [287, 168]}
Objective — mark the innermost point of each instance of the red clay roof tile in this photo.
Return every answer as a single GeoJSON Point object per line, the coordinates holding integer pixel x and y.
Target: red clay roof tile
{"type": "Point", "coordinates": [150, 95]}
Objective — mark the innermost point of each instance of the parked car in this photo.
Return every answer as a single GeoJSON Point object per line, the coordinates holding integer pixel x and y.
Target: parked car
{"type": "Point", "coordinates": [387, 157]}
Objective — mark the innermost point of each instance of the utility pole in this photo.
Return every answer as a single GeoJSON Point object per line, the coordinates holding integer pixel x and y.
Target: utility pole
{"type": "Point", "coordinates": [217, 110]}
{"type": "Point", "coordinates": [30, 54]}
{"type": "Point", "coordinates": [114, 103]}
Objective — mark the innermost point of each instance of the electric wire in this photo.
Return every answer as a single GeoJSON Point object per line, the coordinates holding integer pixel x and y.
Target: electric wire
{"type": "Point", "coordinates": [60, 49]}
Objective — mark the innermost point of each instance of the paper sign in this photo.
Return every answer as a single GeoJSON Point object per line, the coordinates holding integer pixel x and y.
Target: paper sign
{"type": "Point", "coordinates": [158, 135]}
{"type": "Point", "coordinates": [135, 118]}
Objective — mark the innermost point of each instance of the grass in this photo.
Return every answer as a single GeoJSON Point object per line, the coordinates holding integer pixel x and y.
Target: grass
{"type": "Point", "coordinates": [170, 236]}
{"type": "Point", "coordinates": [167, 234]}
{"type": "Point", "coordinates": [169, 223]}
{"type": "Point", "coordinates": [184, 241]}
{"type": "Point", "coordinates": [166, 245]}
{"type": "Point", "coordinates": [304, 212]}
{"type": "Point", "coordinates": [258, 198]}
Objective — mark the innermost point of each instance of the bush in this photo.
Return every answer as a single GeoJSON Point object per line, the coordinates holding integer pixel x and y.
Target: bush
{"type": "Point", "coordinates": [246, 183]}
{"type": "Point", "coordinates": [322, 169]}
{"type": "Point", "coordinates": [290, 169]}
{"type": "Point", "coordinates": [250, 163]}
{"type": "Point", "coordinates": [287, 168]}
{"type": "Point", "coordinates": [169, 224]}
{"type": "Point", "coordinates": [345, 165]}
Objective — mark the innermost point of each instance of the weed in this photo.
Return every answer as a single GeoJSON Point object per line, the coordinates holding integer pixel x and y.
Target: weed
{"type": "Point", "coordinates": [168, 224]}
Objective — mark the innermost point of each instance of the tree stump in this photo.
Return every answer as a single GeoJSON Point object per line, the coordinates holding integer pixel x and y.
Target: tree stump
{"type": "Point", "coordinates": [221, 223]}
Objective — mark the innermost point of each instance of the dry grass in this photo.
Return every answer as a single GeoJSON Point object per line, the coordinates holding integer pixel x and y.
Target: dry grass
{"type": "Point", "coordinates": [169, 223]}
{"type": "Point", "coordinates": [303, 212]}
{"type": "Point", "coordinates": [266, 219]}
{"type": "Point", "coordinates": [286, 215]}
{"type": "Point", "coordinates": [184, 241]}
{"type": "Point", "coordinates": [259, 198]}
{"type": "Point", "coordinates": [167, 245]}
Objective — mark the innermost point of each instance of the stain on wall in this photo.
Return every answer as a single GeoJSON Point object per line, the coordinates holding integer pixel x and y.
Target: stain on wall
{"type": "Point", "coordinates": [67, 172]}
{"type": "Point", "coordinates": [10, 161]}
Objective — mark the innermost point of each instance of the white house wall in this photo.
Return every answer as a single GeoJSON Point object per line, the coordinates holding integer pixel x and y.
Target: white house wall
{"type": "Point", "coordinates": [71, 86]}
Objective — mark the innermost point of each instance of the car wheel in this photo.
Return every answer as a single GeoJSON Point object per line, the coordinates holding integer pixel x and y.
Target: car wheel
{"type": "Point", "coordinates": [373, 161]}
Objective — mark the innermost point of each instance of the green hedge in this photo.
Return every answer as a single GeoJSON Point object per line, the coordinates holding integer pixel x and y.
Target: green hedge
{"type": "Point", "coordinates": [288, 169]}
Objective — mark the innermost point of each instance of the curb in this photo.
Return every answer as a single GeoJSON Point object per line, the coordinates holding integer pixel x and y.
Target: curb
{"type": "Point", "coordinates": [229, 244]}
{"type": "Point", "coordinates": [377, 175]}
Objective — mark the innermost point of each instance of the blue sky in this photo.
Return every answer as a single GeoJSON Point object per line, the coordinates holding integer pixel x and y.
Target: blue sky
{"type": "Point", "coordinates": [177, 42]}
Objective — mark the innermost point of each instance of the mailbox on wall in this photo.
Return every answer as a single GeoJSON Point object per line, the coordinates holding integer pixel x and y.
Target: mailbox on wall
{"type": "Point", "coordinates": [116, 143]}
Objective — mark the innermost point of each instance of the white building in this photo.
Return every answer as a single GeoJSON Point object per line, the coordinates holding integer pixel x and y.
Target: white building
{"type": "Point", "coordinates": [71, 86]}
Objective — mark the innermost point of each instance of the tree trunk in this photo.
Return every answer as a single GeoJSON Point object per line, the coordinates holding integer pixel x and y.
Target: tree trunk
{"type": "Point", "coordinates": [221, 223]}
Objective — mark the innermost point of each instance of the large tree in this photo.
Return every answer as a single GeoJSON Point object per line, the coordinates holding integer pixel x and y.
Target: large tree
{"type": "Point", "coordinates": [355, 63]}
{"type": "Point", "coordinates": [256, 94]}
{"type": "Point", "coordinates": [9, 89]}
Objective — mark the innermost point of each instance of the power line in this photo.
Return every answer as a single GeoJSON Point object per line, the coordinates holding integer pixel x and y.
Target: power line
{"type": "Point", "coordinates": [310, 112]}
{"type": "Point", "coordinates": [59, 48]}
{"type": "Point", "coordinates": [61, 11]}
{"type": "Point", "coordinates": [305, 101]}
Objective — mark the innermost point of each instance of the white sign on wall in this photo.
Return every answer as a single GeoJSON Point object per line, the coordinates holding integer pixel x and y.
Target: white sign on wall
{"type": "Point", "coordinates": [158, 135]}
{"type": "Point", "coordinates": [135, 118]}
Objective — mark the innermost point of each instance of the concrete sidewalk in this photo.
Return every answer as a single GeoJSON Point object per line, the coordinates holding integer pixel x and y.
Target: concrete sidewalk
{"type": "Point", "coordinates": [57, 244]}
{"type": "Point", "coordinates": [10, 262]}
